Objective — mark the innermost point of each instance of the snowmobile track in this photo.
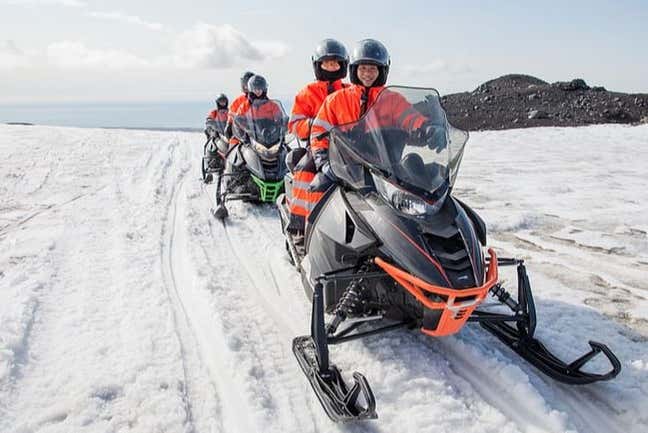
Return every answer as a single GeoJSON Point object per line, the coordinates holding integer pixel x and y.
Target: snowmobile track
{"type": "Point", "coordinates": [17, 224]}
{"type": "Point", "coordinates": [180, 317]}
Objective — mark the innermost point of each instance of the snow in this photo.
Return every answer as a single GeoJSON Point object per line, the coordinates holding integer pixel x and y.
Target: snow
{"type": "Point", "coordinates": [124, 306]}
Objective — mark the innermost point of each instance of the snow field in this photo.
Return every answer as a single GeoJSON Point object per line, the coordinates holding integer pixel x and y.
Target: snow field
{"type": "Point", "coordinates": [124, 306]}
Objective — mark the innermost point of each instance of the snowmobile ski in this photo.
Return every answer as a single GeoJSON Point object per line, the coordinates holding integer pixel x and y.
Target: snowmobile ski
{"type": "Point", "coordinates": [520, 338]}
{"type": "Point", "coordinates": [341, 403]}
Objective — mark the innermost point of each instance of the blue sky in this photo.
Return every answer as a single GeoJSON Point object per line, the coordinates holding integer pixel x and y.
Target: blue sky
{"type": "Point", "coordinates": [85, 50]}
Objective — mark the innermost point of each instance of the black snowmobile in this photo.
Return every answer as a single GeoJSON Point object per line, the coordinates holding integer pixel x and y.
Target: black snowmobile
{"type": "Point", "coordinates": [389, 246]}
{"type": "Point", "coordinates": [214, 150]}
{"type": "Point", "coordinates": [255, 168]}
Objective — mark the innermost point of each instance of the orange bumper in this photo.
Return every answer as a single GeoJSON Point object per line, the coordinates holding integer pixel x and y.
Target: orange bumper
{"type": "Point", "coordinates": [455, 313]}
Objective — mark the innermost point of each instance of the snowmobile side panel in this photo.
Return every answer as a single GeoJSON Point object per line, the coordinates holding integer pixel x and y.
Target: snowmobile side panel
{"type": "Point", "coordinates": [470, 236]}
{"type": "Point", "coordinates": [337, 239]}
{"type": "Point", "coordinates": [402, 241]}
{"type": "Point", "coordinates": [478, 223]}
{"type": "Point", "coordinates": [252, 161]}
{"type": "Point", "coordinates": [222, 146]}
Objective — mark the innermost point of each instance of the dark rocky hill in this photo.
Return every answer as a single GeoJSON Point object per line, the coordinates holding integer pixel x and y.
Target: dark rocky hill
{"type": "Point", "coordinates": [522, 101]}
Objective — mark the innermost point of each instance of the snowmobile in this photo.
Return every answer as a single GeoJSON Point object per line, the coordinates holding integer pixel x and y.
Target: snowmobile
{"type": "Point", "coordinates": [214, 150]}
{"type": "Point", "coordinates": [388, 246]}
{"type": "Point", "coordinates": [255, 168]}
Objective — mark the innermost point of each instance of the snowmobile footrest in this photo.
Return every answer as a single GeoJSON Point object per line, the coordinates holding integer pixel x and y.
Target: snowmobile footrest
{"type": "Point", "coordinates": [342, 404]}
{"type": "Point", "coordinates": [539, 356]}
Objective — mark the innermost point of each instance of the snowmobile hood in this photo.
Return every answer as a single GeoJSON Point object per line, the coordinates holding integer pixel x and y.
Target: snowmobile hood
{"type": "Point", "coordinates": [442, 250]}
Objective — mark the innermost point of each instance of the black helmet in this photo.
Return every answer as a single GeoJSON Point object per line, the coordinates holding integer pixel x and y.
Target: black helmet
{"type": "Point", "coordinates": [257, 82]}
{"type": "Point", "coordinates": [371, 52]}
{"type": "Point", "coordinates": [330, 49]}
{"type": "Point", "coordinates": [244, 80]}
{"type": "Point", "coordinates": [222, 101]}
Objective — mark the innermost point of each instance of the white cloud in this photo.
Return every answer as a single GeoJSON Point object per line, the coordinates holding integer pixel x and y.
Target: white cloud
{"type": "Point", "coordinates": [67, 55]}
{"type": "Point", "coordinates": [215, 47]}
{"type": "Point", "coordinates": [202, 47]}
{"type": "Point", "coordinates": [131, 19]}
{"type": "Point", "coordinates": [66, 3]}
{"type": "Point", "coordinates": [75, 55]}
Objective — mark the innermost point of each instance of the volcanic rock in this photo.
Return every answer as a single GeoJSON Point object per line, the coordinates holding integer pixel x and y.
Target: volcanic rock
{"type": "Point", "coordinates": [523, 101]}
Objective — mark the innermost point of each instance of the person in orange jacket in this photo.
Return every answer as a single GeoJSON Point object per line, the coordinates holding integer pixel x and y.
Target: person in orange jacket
{"type": "Point", "coordinates": [368, 73]}
{"type": "Point", "coordinates": [236, 103]}
{"type": "Point", "coordinates": [217, 117]}
{"type": "Point", "coordinates": [330, 63]}
{"type": "Point", "coordinates": [221, 112]}
{"type": "Point", "coordinates": [256, 106]}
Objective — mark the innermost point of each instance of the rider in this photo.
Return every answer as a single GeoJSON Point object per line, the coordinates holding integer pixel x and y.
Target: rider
{"type": "Point", "coordinates": [221, 111]}
{"type": "Point", "coordinates": [258, 103]}
{"type": "Point", "coordinates": [330, 63]}
{"type": "Point", "coordinates": [219, 115]}
{"type": "Point", "coordinates": [368, 73]}
{"type": "Point", "coordinates": [236, 103]}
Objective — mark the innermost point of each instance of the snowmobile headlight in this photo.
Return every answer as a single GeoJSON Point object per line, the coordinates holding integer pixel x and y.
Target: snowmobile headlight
{"type": "Point", "coordinates": [266, 152]}
{"type": "Point", "coordinates": [404, 201]}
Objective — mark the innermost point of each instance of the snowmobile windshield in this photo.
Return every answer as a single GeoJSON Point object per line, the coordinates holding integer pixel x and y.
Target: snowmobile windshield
{"type": "Point", "coordinates": [265, 123]}
{"type": "Point", "coordinates": [405, 138]}
{"type": "Point", "coordinates": [217, 125]}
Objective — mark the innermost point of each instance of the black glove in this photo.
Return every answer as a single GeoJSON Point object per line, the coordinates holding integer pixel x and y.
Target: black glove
{"type": "Point", "coordinates": [433, 137]}
{"type": "Point", "coordinates": [421, 134]}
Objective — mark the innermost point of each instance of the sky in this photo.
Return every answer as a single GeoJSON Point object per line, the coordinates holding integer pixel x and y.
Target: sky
{"type": "Point", "coordinates": [61, 51]}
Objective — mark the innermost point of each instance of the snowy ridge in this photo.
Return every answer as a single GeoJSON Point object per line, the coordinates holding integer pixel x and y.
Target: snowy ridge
{"type": "Point", "coordinates": [124, 306]}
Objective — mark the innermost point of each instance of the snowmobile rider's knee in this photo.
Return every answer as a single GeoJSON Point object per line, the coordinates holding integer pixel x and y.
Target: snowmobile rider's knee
{"type": "Point", "coordinates": [323, 180]}
{"type": "Point", "coordinates": [293, 157]}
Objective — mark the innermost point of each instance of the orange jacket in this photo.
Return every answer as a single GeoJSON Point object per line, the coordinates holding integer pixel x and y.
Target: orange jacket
{"type": "Point", "coordinates": [220, 114]}
{"type": "Point", "coordinates": [234, 106]}
{"type": "Point", "coordinates": [307, 103]}
{"type": "Point", "coordinates": [345, 106]}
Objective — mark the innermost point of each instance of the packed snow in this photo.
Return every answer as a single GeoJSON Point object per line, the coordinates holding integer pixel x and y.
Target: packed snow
{"type": "Point", "coordinates": [126, 307]}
